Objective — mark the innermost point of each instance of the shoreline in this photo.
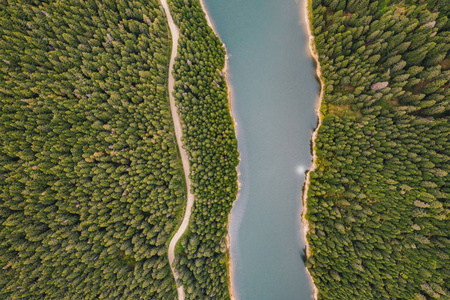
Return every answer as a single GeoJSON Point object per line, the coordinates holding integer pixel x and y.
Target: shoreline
{"type": "Point", "coordinates": [313, 52]}
{"type": "Point", "coordinates": [175, 34]}
{"type": "Point", "coordinates": [229, 96]}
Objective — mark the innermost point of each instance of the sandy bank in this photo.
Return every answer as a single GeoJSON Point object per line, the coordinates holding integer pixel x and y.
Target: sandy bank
{"type": "Point", "coordinates": [307, 14]}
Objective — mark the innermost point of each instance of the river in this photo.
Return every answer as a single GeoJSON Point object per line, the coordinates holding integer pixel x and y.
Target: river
{"type": "Point", "coordinates": [274, 93]}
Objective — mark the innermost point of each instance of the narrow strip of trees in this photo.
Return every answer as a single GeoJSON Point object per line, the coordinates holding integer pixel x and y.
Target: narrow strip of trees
{"type": "Point", "coordinates": [209, 137]}
{"type": "Point", "coordinates": [378, 204]}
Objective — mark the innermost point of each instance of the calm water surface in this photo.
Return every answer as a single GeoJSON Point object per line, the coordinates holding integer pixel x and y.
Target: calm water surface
{"type": "Point", "coordinates": [274, 96]}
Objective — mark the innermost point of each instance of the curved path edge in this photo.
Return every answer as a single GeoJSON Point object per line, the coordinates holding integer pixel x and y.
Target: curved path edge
{"type": "Point", "coordinates": [184, 158]}
{"type": "Point", "coordinates": [313, 51]}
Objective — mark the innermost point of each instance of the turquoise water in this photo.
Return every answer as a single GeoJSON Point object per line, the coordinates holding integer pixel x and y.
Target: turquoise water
{"type": "Point", "coordinates": [274, 96]}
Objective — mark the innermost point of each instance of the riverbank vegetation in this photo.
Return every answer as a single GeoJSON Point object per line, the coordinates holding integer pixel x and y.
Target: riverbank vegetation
{"type": "Point", "coordinates": [91, 185]}
{"type": "Point", "coordinates": [378, 203]}
{"type": "Point", "coordinates": [208, 135]}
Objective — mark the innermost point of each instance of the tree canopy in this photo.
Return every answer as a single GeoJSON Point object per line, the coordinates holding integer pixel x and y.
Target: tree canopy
{"type": "Point", "coordinates": [378, 203]}
{"type": "Point", "coordinates": [91, 185]}
{"type": "Point", "coordinates": [209, 138]}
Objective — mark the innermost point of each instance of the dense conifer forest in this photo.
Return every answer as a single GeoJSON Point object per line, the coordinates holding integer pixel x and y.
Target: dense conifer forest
{"type": "Point", "coordinates": [91, 185]}
{"type": "Point", "coordinates": [378, 203]}
{"type": "Point", "coordinates": [201, 97]}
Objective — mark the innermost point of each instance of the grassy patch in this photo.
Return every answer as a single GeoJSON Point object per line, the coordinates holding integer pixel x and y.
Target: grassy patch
{"type": "Point", "coordinates": [445, 64]}
{"type": "Point", "coordinates": [344, 110]}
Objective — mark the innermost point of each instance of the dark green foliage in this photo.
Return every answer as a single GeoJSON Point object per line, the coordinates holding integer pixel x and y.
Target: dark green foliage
{"type": "Point", "coordinates": [208, 131]}
{"type": "Point", "coordinates": [90, 184]}
{"type": "Point", "coordinates": [378, 203]}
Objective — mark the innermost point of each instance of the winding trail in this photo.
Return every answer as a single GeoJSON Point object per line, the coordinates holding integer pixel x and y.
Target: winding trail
{"type": "Point", "coordinates": [313, 51]}
{"type": "Point", "coordinates": [184, 158]}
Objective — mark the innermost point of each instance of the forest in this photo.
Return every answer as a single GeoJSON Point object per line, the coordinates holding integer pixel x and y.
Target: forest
{"type": "Point", "coordinates": [378, 203]}
{"type": "Point", "coordinates": [209, 138]}
{"type": "Point", "coordinates": [91, 184]}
